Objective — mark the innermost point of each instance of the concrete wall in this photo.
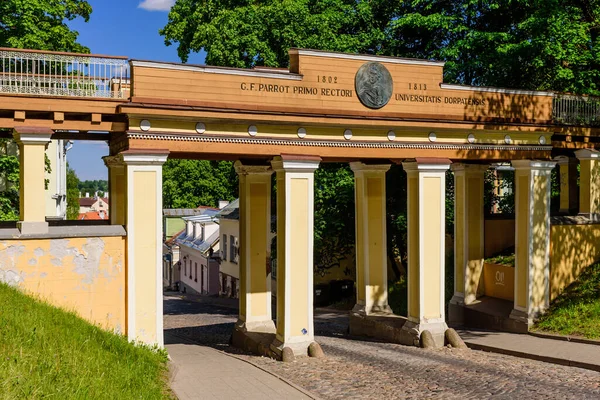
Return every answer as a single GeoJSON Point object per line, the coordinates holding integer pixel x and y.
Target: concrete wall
{"type": "Point", "coordinates": [499, 235]}
{"type": "Point", "coordinates": [572, 248]}
{"type": "Point", "coordinates": [86, 275]}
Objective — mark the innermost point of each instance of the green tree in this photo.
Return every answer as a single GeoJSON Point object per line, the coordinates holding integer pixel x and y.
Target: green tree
{"type": "Point", "coordinates": [245, 33]}
{"type": "Point", "coordinates": [41, 24]}
{"type": "Point", "coordinates": [192, 183]}
{"type": "Point", "coordinates": [72, 194]}
{"type": "Point", "coordinates": [9, 185]}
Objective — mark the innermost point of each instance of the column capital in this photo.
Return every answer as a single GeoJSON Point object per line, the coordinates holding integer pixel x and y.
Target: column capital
{"type": "Point", "coordinates": [144, 157]}
{"type": "Point", "coordinates": [426, 164]}
{"type": "Point", "coordinates": [469, 168]}
{"type": "Point", "coordinates": [113, 161]}
{"type": "Point", "coordinates": [244, 169]}
{"type": "Point", "coordinates": [32, 135]}
{"type": "Point", "coordinates": [533, 165]}
{"type": "Point", "coordinates": [562, 160]}
{"type": "Point", "coordinates": [295, 163]}
{"type": "Point", "coordinates": [587, 154]}
{"type": "Point", "coordinates": [360, 166]}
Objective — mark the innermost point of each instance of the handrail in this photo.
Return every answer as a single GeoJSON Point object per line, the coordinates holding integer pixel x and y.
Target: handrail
{"type": "Point", "coordinates": [63, 53]}
{"type": "Point", "coordinates": [41, 73]}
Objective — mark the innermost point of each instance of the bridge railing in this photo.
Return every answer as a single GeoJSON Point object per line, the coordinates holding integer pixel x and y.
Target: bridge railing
{"type": "Point", "coordinates": [44, 73]}
{"type": "Point", "coordinates": [576, 110]}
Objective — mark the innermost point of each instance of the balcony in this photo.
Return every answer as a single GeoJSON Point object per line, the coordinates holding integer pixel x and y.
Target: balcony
{"type": "Point", "coordinates": [576, 110]}
{"type": "Point", "coordinates": [40, 73]}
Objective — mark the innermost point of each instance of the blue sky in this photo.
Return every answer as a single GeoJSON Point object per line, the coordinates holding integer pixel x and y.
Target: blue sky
{"type": "Point", "coordinates": [121, 28]}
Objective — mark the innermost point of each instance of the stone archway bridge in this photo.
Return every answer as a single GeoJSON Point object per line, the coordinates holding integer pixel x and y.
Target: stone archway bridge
{"type": "Point", "coordinates": [370, 111]}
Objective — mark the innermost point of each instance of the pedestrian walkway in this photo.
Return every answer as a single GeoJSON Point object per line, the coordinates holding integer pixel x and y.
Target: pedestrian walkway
{"type": "Point", "coordinates": [202, 372]}
{"type": "Point", "coordinates": [555, 351]}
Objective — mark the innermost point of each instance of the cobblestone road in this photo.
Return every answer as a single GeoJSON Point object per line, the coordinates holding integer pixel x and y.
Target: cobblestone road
{"type": "Point", "coordinates": [356, 369]}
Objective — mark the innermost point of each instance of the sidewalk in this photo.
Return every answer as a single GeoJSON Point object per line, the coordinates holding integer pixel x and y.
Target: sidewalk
{"type": "Point", "coordinates": [536, 348]}
{"type": "Point", "coordinates": [202, 372]}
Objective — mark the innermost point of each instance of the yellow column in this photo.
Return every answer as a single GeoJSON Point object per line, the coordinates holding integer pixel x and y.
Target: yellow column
{"type": "Point", "coordinates": [468, 234]}
{"type": "Point", "coordinates": [371, 238]}
{"type": "Point", "coordinates": [143, 222]}
{"type": "Point", "coordinates": [117, 189]}
{"type": "Point", "coordinates": [32, 203]}
{"type": "Point", "coordinates": [295, 220]}
{"type": "Point", "coordinates": [568, 183]}
{"type": "Point", "coordinates": [255, 227]}
{"type": "Point", "coordinates": [532, 239]}
{"type": "Point", "coordinates": [589, 183]}
{"type": "Point", "coordinates": [426, 236]}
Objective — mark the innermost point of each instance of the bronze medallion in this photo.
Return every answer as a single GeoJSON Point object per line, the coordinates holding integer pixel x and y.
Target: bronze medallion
{"type": "Point", "coordinates": [374, 85]}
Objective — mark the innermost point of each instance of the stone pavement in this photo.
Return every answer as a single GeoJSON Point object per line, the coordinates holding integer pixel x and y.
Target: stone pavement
{"type": "Point", "coordinates": [360, 369]}
{"type": "Point", "coordinates": [202, 372]}
{"type": "Point", "coordinates": [536, 348]}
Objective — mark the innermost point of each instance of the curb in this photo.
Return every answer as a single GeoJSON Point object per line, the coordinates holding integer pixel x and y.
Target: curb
{"type": "Point", "coordinates": [564, 338]}
{"type": "Point", "coordinates": [284, 380]}
{"type": "Point", "coordinates": [552, 360]}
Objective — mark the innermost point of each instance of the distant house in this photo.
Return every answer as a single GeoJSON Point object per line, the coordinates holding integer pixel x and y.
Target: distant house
{"type": "Point", "coordinates": [173, 218]}
{"type": "Point", "coordinates": [93, 215]}
{"type": "Point", "coordinates": [199, 254]}
{"type": "Point", "coordinates": [87, 204]}
{"type": "Point", "coordinates": [171, 261]}
{"type": "Point", "coordinates": [229, 230]}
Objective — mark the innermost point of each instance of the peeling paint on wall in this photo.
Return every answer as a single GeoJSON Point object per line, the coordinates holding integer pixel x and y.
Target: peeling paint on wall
{"type": "Point", "coordinates": [81, 274]}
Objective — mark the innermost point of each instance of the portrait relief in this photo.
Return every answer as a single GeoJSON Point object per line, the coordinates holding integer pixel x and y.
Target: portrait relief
{"type": "Point", "coordinates": [374, 85]}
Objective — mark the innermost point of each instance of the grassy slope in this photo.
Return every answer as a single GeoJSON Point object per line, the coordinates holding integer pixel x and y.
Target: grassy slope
{"type": "Point", "coordinates": [577, 310]}
{"type": "Point", "coordinates": [49, 353]}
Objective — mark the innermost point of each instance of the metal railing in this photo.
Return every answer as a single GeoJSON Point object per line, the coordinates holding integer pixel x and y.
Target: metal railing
{"type": "Point", "coordinates": [63, 74]}
{"type": "Point", "coordinates": [576, 110]}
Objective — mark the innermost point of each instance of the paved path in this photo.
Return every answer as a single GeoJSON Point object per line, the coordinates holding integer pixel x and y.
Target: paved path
{"type": "Point", "coordinates": [536, 348]}
{"type": "Point", "coordinates": [205, 373]}
{"type": "Point", "coordinates": [359, 369]}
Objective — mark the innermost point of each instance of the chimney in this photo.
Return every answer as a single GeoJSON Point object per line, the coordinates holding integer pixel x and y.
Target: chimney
{"type": "Point", "coordinates": [87, 194]}
{"type": "Point", "coordinates": [223, 204]}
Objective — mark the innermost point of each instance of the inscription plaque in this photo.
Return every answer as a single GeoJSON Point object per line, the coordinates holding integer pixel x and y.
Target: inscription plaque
{"type": "Point", "coordinates": [374, 85]}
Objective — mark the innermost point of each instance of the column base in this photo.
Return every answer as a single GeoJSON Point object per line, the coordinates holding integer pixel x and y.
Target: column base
{"type": "Point", "coordinates": [437, 329]}
{"type": "Point", "coordinates": [522, 319]}
{"type": "Point", "coordinates": [456, 311]}
{"type": "Point", "coordinates": [374, 309]}
{"type": "Point", "coordinates": [298, 348]}
{"type": "Point", "coordinates": [262, 326]}
{"type": "Point", "coordinates": [254, 337]}
{"type": "Point", "coordinates": [32, 228]}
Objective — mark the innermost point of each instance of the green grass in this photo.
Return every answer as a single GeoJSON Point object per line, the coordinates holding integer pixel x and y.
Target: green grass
{"type": "Point", "coordinates": [577, 310]}
{"type": "Point", "coordinates": [506, 257]}
{"type": "Point", "coordinates": [49, 353]}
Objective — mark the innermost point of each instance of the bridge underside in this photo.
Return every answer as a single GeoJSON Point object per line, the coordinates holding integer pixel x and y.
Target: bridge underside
{"type": "Point", "coordinates": [287, 123]}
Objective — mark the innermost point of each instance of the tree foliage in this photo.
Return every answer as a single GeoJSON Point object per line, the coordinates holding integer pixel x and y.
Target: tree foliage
{"type": "Point", "coordinates": [192, 183]}
{"type": "Point", "coordinates": [72, 194]}
{"type": "Point", "coordinates": [9, 174]}
{"type": "Point", "coordinates": [41, 24]}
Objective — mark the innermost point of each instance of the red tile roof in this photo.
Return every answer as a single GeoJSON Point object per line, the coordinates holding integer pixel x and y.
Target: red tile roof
{"type": "Point", "coordinates": [93, 215]}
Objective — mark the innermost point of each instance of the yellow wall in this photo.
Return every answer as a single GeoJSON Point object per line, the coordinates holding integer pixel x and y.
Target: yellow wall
{"type": "Point", "coordinates": [499, 235]}
{"type": "Point", "coordinates": [572, 248]}
{"type": "Point", "coordinates": [432, 224]}
{"type": "Point", "coordinates": [86, 275]}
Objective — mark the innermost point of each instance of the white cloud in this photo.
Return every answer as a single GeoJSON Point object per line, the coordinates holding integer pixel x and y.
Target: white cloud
{"type": "Point", "coordinates": [156, 5]}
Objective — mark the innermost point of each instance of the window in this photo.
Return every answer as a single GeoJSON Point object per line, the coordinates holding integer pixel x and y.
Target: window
{"type": "Point", "coordinates": [196, 272]}
{"type": "Point", "coordinates": [224, 247]}
{"type": "Point", "coordinates": [232, 249]}
{"type": "Point", "coordinates": [184, 267]}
